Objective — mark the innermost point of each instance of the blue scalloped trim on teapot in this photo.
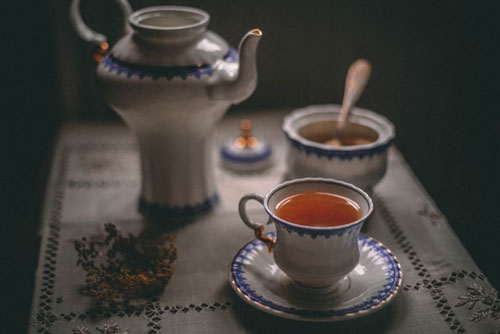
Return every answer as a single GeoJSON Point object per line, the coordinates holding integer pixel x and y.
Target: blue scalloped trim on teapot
{"type": "Point", "coordinates": [177, 212]}
{"type": "Point", "coordinates": [157, 72]}
{"type": "Point", "coordinates": [314, 233]}
{"type": "Point", "coordinates": [392, 279]}
{"type": "Point", "coordinates": [340, 154]}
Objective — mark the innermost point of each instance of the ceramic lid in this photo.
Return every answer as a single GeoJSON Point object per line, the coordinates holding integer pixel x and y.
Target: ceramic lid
{"type": "Point", "coordinates": [246, 152]}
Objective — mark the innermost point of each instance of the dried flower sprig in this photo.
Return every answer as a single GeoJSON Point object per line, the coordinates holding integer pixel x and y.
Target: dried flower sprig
{"type": "Point", "coordinates": [133, 267]}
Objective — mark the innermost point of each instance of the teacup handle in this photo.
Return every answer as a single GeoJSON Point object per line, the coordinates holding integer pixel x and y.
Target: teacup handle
{"type": "Point", "coordinates": [257, 227]}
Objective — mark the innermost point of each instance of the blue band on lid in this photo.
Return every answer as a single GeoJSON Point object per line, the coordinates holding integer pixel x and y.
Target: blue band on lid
{"type": "Point", "coordinates": [253, 156]}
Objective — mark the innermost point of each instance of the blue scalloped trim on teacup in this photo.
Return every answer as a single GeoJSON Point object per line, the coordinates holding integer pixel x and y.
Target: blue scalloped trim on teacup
{"type": "Point", "coordinates": [177, 212]}
{"type": "Point", "coordinates": [393, 277]}
{"type": "Point", "coordinates": [314, 233]}
{"type": "Point", "coordinates": [339, 154]}
{"type": "Point", "coordinates": [156, 72]}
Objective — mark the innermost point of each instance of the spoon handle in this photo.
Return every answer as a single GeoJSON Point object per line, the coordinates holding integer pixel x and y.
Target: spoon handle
{"type": "Point", "coordinates": [357, 77]}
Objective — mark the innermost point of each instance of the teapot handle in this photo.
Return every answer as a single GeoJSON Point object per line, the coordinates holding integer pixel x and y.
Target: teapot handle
{"type": "Point", "coordinates": [90, 35]}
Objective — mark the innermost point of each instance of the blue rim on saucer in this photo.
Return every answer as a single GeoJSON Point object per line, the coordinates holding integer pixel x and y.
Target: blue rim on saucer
{"type": "Point", "coordinates": [374, 283]}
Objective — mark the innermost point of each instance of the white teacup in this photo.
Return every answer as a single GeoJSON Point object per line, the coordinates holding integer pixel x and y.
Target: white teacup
{"type": "Point", "coordinates": [312, 257]}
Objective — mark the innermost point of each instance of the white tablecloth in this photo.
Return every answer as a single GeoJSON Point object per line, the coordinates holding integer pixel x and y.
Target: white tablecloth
{"type": "Point", "coordinates": [95, 179]}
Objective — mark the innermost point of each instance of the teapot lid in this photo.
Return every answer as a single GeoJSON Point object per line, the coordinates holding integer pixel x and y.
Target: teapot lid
{"type": "Point", "coordinates": [170, 36]}
{"type": "Point", "coordinates": [246, 152]}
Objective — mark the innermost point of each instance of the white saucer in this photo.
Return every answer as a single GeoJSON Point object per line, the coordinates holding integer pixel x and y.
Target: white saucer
{"type": "Point", "coordinates": [372, 284]}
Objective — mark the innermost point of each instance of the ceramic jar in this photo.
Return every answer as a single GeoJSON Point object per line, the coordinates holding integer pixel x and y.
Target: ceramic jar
{"type": "Point", "coordinates": [307, 129]}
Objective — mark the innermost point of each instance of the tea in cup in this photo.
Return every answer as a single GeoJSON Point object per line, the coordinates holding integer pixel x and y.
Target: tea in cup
{"type": "Point", "coordinates": [317, 223]}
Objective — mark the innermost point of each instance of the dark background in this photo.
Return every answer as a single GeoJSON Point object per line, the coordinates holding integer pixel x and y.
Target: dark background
{"type": "Point", "coordinates": [435, 76]}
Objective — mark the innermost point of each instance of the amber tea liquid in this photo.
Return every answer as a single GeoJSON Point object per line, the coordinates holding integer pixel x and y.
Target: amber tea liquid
{"type": "Point", "coordinates": [314, 208]}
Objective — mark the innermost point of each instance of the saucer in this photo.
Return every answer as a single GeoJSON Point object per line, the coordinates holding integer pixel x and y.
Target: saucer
{"type": "Point", "coordinates": [370, 286]}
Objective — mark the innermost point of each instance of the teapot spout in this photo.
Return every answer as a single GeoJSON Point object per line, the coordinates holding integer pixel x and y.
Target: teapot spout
{"type": "Point", "coordinates": [241, 87]}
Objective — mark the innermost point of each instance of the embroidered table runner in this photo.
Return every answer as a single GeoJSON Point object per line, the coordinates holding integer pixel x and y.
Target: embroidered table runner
{"type": "Point", "coordinates": [95, 180]}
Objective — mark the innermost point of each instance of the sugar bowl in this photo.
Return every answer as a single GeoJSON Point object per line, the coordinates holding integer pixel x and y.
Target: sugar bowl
{"type": "Point", "coordinates": [362, 160]}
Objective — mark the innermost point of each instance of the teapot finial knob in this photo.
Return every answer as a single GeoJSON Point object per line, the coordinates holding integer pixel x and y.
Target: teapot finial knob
{"type": "Point", "coordinates": [246, 139]}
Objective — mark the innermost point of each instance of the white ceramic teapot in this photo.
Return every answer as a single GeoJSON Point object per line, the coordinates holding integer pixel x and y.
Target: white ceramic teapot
{"type": "Point", "coordinates": [171, 80]}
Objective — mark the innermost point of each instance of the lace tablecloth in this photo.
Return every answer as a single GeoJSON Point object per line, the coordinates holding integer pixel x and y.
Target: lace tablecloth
{"type": "Point", "coordinates": [95, 180]}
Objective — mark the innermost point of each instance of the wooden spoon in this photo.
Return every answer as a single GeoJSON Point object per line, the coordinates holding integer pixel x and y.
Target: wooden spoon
{"type": "Point", "coordinates": [355, 82]}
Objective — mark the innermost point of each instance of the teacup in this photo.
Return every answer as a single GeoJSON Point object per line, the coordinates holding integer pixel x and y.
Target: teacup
{"type": "Point", "coordinates": [316, 259]}
{"type": "Point", "coordinates": [307, 129]}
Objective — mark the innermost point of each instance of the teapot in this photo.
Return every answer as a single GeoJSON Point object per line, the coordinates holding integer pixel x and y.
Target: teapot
{"type": "Point", "coordinates": [171, 80]}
